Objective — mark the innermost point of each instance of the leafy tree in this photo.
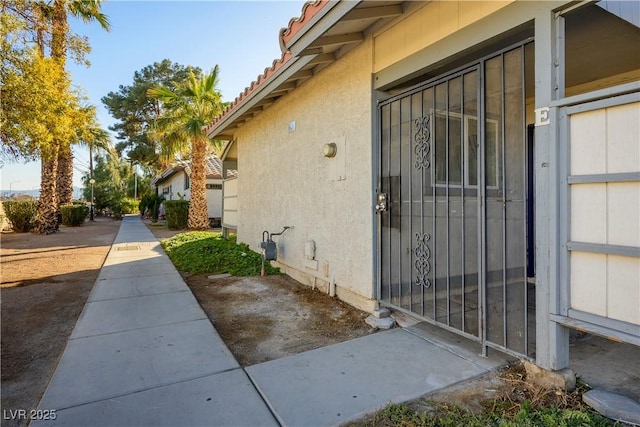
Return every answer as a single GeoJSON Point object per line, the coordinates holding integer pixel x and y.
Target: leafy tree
{"type": "Point", "coordinates": [31, 107]}
{"type": "Point", "coordinates": [110, 174]}
{"type": "Point", "coordinates": [136, 112]}
{"type": "Point", "coordinates": [41, 114]}
{"type": "Point", "coordinates": [188, 107]}
{"type": "Point", "coordinates": [39, 110]}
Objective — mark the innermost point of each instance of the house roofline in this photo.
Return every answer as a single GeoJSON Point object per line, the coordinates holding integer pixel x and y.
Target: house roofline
{"type": "Point", "coordinates": [308, 45]}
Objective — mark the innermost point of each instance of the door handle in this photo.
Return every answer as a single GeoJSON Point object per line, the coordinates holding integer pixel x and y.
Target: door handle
{"type": "Point", "coordinates": [382, 203]}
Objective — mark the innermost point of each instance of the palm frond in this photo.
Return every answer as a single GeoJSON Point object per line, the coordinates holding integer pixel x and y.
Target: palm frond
{"type": "Point", "coordinates": [162, 93]}
{"type": "Point", "coordinates": [89, 11]}
{"type": "Point", "coordinates": [187, 108]}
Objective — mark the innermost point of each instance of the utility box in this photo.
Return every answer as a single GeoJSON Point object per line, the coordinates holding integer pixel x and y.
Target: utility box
{"type": "Point", "coordinates": [269, 250]}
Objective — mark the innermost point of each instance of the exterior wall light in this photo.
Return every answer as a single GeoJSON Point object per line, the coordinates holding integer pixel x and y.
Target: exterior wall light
{"type": "Point", "coordinates": [330, 150]}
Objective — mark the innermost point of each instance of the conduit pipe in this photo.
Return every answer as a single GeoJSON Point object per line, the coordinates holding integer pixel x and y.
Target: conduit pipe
{"type": "Point", "coordinates": [332, 286]}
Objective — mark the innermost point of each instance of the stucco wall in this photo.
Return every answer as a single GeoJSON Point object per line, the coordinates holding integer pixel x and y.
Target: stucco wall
{"type": "Point", "coordinates": [427, 25]}
{"type": "Point", "coordinates": [284, 179]}
{"type": "Point", "coordinates": [176, 182]}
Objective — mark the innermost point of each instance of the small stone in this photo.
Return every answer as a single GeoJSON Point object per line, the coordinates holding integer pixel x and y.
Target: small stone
{"type": "Point", "coordinates": [382, 312]}
{"type": "Point", "coordinates": [614, 406]}
{"type": "Point", "coordinates": [380, 323]}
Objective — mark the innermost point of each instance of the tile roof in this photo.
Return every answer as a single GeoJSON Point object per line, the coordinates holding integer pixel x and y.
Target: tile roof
{"type": "Point", "coordinates": [309, 9]}
{"type": "Point", "coordinates": [213, 167]}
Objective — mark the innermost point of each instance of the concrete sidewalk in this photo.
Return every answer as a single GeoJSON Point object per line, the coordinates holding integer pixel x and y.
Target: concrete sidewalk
{"type": "Point", "coordinates": [144, 353]}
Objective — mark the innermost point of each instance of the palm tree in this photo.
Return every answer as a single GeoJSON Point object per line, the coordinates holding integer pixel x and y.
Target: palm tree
{"type": "Point", "coordinates": [187, 108]}
{"type": "Point", "coordinates": [88, 11]}
{"type": "Point", "coordinates": [56, 182]}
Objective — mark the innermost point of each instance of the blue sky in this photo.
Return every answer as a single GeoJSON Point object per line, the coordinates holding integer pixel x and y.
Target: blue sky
{"type": "Point", "coordinates": [240, 36]}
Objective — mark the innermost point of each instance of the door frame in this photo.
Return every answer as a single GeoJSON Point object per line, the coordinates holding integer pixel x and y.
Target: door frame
{"type": "Point", "coordinates": [477, 64]}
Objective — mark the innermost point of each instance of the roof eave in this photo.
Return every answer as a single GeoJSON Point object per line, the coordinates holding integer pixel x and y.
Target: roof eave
{"type": "Point", "coordinates": [309, 43]}
{"type": "Point", "coordinates": [321, 22]}
{"type": "Point", "coordinates": [298, 52]}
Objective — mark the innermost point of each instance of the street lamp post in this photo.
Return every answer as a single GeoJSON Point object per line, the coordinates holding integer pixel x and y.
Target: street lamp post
{"type": "Point", "coordinates": [10, 191]}
{"type": "Point", "coordinates": [134, 168]}
{"type": "Point", "coordinates": [91, 181]}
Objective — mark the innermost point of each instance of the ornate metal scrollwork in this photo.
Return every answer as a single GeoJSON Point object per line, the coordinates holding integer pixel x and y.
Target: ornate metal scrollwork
{"type": "Point", "coordinates": [423, 142]}
{"type": "Point", "coordinates": [422, 265]}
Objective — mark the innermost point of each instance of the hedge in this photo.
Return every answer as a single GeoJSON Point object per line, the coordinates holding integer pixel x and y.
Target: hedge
{"type": "Point", "coordinates": [129, 206]}
{"type": "Point", "coordinates": [176, 213]}
{"type": "Point", "coordinates": [21, 214]}
{"type": "Point", "coordinates": [73, 215]}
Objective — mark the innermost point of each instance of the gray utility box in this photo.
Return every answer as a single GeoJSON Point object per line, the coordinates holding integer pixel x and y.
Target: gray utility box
{"type": "Point", "coordinates": [269, 250]}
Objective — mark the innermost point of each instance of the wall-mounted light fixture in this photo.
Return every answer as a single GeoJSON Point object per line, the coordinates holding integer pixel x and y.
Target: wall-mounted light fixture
{"type": "Point", "coordinates": [330, 149]}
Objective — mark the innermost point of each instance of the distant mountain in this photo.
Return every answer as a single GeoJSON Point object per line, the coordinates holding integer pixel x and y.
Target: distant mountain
{"type": "Point", "coordinates": [77, 192]}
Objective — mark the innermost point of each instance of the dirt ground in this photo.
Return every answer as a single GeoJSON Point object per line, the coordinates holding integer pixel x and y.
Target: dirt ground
{"type": "Point", "coordinates": [262, 319]}
{"type": "Point", "coordinates": [45, 282]}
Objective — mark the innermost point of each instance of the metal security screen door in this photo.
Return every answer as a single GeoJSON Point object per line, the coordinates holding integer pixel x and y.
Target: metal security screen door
{"type": "Point", "coordinates": [452, 203]}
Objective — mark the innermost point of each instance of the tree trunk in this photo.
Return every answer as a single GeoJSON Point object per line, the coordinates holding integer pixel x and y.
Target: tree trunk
{"type": "Point", "coordinates": [198, 215]}
{"type": "Point", "coordinates": [47, 216]}
{"type": "Point", "coordinates": [64, 180]}
{"type": "Point", "coordinates": [59, 32]}
{"type": "Point", "coordinates": [64, 173]}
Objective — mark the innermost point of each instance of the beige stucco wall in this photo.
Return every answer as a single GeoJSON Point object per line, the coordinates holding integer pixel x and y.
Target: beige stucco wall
{"type": "Point", "coordinates": [284, 179]}
{"type": "Point", "coordinates": [427, 25]}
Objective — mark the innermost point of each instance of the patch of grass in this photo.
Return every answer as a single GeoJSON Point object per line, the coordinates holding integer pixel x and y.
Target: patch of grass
{"type": "Point", "coordinates": [444, 415]}
{"type": "Point", "coordinates": [521, 405]}
{"type": "Point", "coordinates": [199, 252]}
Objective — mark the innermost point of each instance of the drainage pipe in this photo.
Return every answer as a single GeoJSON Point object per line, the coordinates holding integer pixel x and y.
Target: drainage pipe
{"type": "Point", "coordinates": [332, 286]}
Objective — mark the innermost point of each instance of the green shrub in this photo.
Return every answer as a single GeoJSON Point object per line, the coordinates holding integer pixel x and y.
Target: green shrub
{"type": "Point", "coordinates": [116, 210]}
{"type": "Point", "coordinates": [150, 203]}
{"type": "Point", "coordinates": [73, 215]}
{"type": "Point", "coordinates": [21, 214]}
{"type": "Point", "coordinates": [176, 212]}
{"type": "Point", "coordinates": [199, 252]}
{"type": "Point", "coordinates": [129, 206]}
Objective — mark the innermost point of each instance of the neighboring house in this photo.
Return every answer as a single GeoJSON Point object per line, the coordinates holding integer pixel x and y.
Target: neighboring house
{"type": "Point", "coordinates": [174, 183]}
{"type": "Point", "coordinates": [409, 140]}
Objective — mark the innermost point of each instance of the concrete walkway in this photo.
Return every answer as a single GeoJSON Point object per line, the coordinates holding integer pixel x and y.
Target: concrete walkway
{"type": "Point", "coordinates": [144, 353]}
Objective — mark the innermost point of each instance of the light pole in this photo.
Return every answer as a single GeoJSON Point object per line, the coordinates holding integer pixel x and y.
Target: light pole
{"type": "Point", "coordinates": [10, 184]}
{"type": "Point", "coordinates": [135, 182]}
{"type": "Point", "coordinates": [91, 181]}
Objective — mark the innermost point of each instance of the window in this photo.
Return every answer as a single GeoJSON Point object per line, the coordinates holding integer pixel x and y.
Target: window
{"type": "Point", "coordinates": [466, 131]}
{"type": "Point", "coordinates": [187, 181]}
{"type": "Point", "coordinates": [166, 190]}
